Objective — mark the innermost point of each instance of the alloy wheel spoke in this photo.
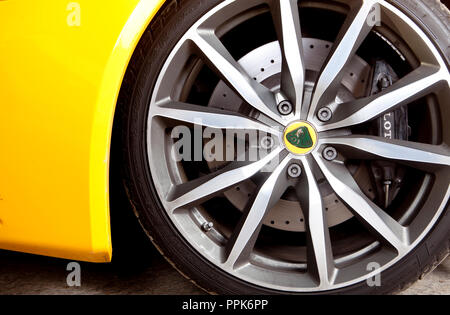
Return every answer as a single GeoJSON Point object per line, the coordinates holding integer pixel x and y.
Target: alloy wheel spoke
{"type": "Point", "coordinates": [376, 220]}
{"type": "Point", "coordinates": [220, 59]}
{"type": "Point", "coordinates": [413, 86]}
{"type": "Point", "coordinates": [320, 255]}
{"type": "Point", "coordinates": [211, 117]}
{"type": "Point", "coordinates": [287, 24]}
{"type": "Point", "coordinates": [355, 30]}
{"type": "Point", "coordinates": [246, 233]}
{"type": "Point", "coordinates": [423, 156]}
{"type": "Point", "coordinates": [204, 188]}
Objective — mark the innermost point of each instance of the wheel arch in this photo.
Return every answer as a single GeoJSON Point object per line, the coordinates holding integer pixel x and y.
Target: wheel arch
{"type": "Point", "coordinates": [106, 108]}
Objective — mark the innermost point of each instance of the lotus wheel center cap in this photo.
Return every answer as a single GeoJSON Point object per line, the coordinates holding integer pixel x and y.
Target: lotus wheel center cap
{"type": "Point", "coordinates": [300, 138]}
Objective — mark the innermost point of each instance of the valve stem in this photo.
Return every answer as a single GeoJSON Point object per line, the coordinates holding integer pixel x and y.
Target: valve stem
{"type": "Point", "coordinates": [387, 186]}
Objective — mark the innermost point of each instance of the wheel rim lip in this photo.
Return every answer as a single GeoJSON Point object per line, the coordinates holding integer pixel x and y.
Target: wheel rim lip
{"type": "Point", "coordinates": [235, 273]}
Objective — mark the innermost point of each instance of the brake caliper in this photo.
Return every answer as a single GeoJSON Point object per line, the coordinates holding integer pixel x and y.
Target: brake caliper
{"type": "Point", "coordinates": [388, 175]}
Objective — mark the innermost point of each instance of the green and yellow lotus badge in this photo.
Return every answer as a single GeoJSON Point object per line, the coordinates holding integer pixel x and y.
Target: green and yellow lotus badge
{"type": "Point", "coordinates": [300, 138]}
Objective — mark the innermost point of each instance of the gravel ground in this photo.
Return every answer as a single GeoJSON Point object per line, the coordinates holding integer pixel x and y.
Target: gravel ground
{"type": "Point", "coordinates": [28, 274]}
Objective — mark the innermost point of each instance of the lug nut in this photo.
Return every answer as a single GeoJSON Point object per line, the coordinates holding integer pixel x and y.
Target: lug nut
{"type": "Point", "coordinates": [330, 153]}
{"type": "Point", "coordinates": [207, 226]}
{"type": "Point", "coordinates": [324, 114]}
{"type": "Point", "coordinates": [294, 170]}
{"type": "Point", "coordinates": [285, 108]}
{"type": "Point", "coordinates": [267, 143]}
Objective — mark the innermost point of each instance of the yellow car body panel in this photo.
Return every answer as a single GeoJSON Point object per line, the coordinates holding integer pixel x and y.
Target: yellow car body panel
{"type": "Point", "coordinates": [61, 69]}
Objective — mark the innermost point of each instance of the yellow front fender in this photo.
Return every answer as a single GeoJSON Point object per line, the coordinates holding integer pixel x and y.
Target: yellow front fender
{"type": "Point", "coordinates": [61, 69]}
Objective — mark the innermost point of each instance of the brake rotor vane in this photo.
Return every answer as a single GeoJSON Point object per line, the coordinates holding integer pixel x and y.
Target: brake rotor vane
{"type": "Point", "coordinates": [388, 175]}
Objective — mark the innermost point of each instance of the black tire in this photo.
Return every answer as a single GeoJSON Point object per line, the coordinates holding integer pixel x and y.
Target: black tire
{"type": "Point", "coordinates": [173, 20]}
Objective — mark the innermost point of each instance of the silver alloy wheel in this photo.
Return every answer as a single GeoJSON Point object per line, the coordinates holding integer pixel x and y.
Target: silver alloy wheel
{"type": "Point", "coordinates": [183, 198]}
